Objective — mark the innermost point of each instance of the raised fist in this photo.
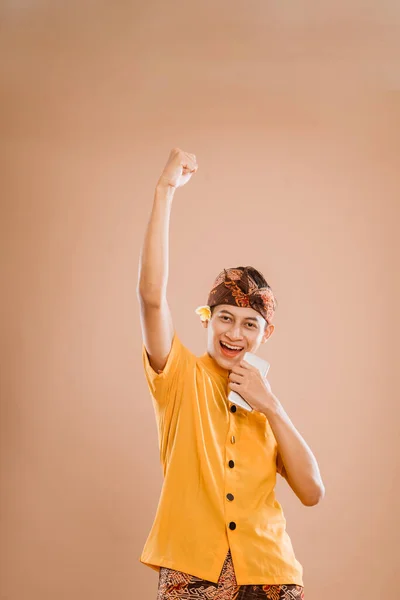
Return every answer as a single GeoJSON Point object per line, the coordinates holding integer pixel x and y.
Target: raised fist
{"type": "Point", "coordinates": [179, 169]}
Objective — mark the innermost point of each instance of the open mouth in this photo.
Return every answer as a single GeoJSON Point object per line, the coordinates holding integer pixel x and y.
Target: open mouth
{"type": "Point", "coordinates": [230, 350]}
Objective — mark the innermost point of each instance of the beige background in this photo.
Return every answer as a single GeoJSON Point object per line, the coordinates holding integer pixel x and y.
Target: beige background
{"type": "Point", "coordinates": [293, 112]}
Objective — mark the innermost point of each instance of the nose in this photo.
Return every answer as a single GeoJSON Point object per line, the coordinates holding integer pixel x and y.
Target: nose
{"type": "Point", "coordinates": [234, 333]}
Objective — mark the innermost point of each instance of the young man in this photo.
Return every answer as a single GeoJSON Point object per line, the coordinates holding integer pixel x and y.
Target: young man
{"type": "Point", "coordinates": [219, 532]}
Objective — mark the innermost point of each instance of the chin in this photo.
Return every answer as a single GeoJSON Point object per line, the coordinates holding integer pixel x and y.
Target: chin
{"type": "Point", "coordinates": [225, 363]}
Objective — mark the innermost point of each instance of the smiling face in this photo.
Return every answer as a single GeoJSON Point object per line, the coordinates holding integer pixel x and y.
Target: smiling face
{"type": "Point", "coordinates": [233, 331]}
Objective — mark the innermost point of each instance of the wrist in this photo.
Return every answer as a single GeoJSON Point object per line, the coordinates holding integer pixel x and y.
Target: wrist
{"type": "Point", "coordinates": [274, 408]}
{"type": "Point", "coordinates": [165, 190]}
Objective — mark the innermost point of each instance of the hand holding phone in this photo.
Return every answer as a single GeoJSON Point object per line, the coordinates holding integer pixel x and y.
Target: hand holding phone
{"type": "Point", "coordinates": [262, 365]}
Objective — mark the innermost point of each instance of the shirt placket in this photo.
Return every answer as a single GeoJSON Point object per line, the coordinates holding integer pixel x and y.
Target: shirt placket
{"type": "Point", "coordinates": [231, 478]}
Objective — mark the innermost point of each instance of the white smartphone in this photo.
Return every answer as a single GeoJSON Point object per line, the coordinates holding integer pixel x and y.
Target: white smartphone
{"type": "Point", "coordinates": [262, 365]}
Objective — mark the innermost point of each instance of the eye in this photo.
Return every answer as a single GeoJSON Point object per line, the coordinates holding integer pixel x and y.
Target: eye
{"type": "Point", "coordinates": [225, 317]}
{"type": "Point", "coordinates": [253, 325]}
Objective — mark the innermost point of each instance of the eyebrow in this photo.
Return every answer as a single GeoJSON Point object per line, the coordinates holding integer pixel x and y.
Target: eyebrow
{"type": "Point", "coordinates": [232, 315]}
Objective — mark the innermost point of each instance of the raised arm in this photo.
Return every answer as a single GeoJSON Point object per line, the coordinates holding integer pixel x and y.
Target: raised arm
{"type": "Point", "coordinates": [155, 315]}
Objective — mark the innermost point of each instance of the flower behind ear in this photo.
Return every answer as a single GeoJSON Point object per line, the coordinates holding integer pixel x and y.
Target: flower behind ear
{"type": "Point", "coordinates": [204, 312]}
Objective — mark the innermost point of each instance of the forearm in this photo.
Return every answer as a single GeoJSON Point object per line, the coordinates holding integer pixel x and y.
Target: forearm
{"type": "Point", "coordinates": [154, 257]}
{"type": "Point", "coordinates": [302, 472]}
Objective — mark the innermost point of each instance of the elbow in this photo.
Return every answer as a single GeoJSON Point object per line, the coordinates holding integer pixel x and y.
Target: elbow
{"type": "Point", "coordinates": [315, 498]}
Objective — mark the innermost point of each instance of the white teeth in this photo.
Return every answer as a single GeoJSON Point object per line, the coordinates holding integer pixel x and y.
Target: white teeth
{"type": "Point", "coordinates": [231, 347]}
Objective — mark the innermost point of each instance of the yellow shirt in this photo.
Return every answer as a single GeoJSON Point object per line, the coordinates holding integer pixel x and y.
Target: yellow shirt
{"type": "Point", "coordinates": [219, 467]}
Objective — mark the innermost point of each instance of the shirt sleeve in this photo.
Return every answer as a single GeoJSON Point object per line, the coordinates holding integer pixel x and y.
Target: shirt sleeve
{"type": "Point", "coordinates": [161, 385]}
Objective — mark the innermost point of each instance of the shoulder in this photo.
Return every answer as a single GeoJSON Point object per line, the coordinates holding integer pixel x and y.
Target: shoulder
{"type": "Point", "coordinates": [179, 360]}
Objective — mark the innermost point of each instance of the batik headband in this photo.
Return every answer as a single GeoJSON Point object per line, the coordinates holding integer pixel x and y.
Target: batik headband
{"type": "Point", "coordinates": [238, 288]}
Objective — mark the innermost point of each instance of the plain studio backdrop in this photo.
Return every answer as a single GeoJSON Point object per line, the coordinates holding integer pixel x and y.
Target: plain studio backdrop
{"type": "Point", "coordinates": [293, 112]}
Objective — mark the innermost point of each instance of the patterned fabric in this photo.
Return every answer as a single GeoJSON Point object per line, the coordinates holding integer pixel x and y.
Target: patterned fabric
{"type": "Point", "coordinates": [238, 288]}
{"type": "Point", "coordinates": [174, 585]}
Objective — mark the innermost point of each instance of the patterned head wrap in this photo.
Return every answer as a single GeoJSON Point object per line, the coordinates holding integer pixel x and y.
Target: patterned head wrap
{"type": "Point", "coordinates": [238, 288]}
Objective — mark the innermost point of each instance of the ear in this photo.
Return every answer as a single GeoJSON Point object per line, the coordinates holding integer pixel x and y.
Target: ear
{"type": "Point", "coordinates": [268, 332]}
{"type": "Point", "coordinates": [205, 324]}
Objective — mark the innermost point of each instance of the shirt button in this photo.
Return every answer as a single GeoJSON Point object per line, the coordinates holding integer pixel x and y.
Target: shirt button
{"type": "Point", "coordinates": [233, 408]}
{"type": "Point", "coordinates": [232, 525]}
{"type": "Point", "coordinates": [231, 464]}
{"type": "Point", "coordinates": [230, 497]}
{"type": "Point", "coordinates": [233, 439]}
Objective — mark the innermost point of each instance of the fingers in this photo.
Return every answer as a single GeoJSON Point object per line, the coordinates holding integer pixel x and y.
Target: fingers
{"type": "Point", "coordinates": [238, 370]}
{"type": "Point", "coordinates": [236, 378]}
{"type": "Point", "coordinates": [235, 387]}
{"type": "Point", "coordinates": [177, 150]}
{"type": "Point", "coordinates": [189, 163]}
{"type": "Point", "coordinates": [189, 168]}
{"type": "Point", "coordinates": [247, 366]}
